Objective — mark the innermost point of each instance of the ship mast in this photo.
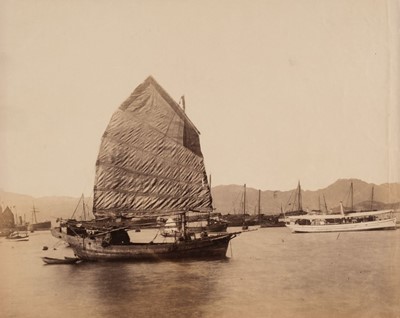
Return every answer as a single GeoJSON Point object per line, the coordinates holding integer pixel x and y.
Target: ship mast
{"type": "Point", "coordinates": [244, 227]}
{"type": "Point", "coordinates": [372, 198]}
{"type": "Point", "coordinates": [319, 203]}
{"type": "Point", "coordinates": [352, 196]}
{"type": "Point", "coordinates": [209, 213]}
{"type": "Point", "coordinates": [259, 205]}
{"type": "Point", "coordinates": [326, 207]}
{"type": "Point", "coordinates": [83, 207]}
{"type": "Point", "coordinates": [34, 215]}
{"type": "Point", "coordinates": [300, 205]}
{"type": "Point", "coordinates": [244, 203]}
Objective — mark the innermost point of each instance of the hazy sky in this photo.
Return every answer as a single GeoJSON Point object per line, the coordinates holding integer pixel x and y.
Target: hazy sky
{"type": "Point", "coordinates": [280, 90]}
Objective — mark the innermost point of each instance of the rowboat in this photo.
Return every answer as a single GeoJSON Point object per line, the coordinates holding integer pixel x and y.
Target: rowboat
{"type": "Point", "coordinates": [18, 236]}
{"type": "Point", "coordinates": [65, 260]}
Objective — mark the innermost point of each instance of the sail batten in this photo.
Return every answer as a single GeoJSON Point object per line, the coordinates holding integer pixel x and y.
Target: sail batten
{"type": "Point", "coordinates": [150, 161]}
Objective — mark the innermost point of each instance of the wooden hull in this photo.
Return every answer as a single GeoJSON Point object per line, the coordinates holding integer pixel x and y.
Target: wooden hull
{"type": "Point", "coordinates": [55, 261]}
{"type": "Point", "coordinates": [22, 239]}
{"type": "Point", "coordinates": [65, 237]}
{"type": "Point", "coordinates": [278, 224]}
{"type": "Point", "coordinates": [42, 226]}
{"type": "Point", "coordinates": [216, 227]}
{"type": "Point", "coordinates": [386, 224]}
{"type": "Point", "coordinates": [205, 248]}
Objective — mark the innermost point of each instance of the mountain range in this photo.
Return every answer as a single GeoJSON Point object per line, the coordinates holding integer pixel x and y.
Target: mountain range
{"type": "Point", "coordinates": [229, 199]}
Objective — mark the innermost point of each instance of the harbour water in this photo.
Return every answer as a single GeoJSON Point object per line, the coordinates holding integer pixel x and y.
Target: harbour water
{"type": "Point", "coordinates": [268, 273]}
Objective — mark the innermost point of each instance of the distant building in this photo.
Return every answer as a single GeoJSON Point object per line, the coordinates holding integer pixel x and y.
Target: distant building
{"type": "Point", "coordinates": [7, 219]}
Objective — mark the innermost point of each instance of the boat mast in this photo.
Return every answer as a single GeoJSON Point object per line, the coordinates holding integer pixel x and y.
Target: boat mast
{"type": "Point", "coordinates": [319, 203]}
{"type": "Point", "coordinates": [372, 198]}
{"type": "Point", "coordinates": [83, 207]}
{"type": "Point", "coordinates": [352, 196]}
{"type": "Point", "coordinates": [326, 207]}
{"type": "Point", "coordinates": [244, 227]}
{"type": "Point", "coordinates": [244, 203]}
{"type": "Point", "coordinates": [209, 213]}
{"type": "Point", "coordinates": [259, 205]}
{"type": "Point", "coordinates": [183, 215]}
{"type": "Point", "coordinates": [34, 215]}
{"type": "Point", "coordinates": [299, 207]}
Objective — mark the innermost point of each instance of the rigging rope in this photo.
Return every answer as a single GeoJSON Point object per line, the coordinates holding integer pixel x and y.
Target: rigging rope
{"type": "Point", "coordinates": [55, 245]}
{"type": "Point", "coordinates": [288, 201]}
{"type": "Point", "coordinates": [76, 207]}
{"type": "Point", "coordinates": [155, 236]}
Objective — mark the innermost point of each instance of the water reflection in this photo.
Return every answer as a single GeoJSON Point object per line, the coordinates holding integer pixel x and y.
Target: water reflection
{"type": "Point", "coordinates": [167, 289]}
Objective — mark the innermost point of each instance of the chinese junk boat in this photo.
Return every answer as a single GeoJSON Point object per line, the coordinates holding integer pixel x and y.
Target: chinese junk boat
{"type": "Point", "coordinates": [149, 165]}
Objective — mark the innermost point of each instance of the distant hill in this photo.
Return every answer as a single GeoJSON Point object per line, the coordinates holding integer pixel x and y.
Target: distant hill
{"type": "Point", "coordinates": [50, 208]}
{"type": "Point", "coordinates": [229, 198]}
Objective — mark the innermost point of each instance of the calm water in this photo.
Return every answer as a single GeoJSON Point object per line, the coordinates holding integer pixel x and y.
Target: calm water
{"type": "Point", "coordinates": [269, 273]}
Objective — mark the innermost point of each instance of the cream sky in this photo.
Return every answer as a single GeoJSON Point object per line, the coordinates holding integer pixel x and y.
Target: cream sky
{"type": "Point", "coordinates": [280, 90]}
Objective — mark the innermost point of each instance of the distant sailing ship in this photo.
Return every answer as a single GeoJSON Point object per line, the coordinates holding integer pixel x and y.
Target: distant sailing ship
{"type": "Point", "coordinates": [266, 221]}
{"type": "Point", "coordinates": [149, 165]}
{"type": "Point", "coordinates": [296, 209]}
{"type": "Point", "coordinates": [38, 226]}
{"type": "Point", "coordinates": [297, 205]}
{"type": "Point", "coordinates": [65, 231]}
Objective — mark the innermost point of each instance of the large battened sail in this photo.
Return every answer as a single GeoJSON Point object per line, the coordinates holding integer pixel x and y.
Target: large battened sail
{"type": "Point", "coordinates": [150, 161]}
